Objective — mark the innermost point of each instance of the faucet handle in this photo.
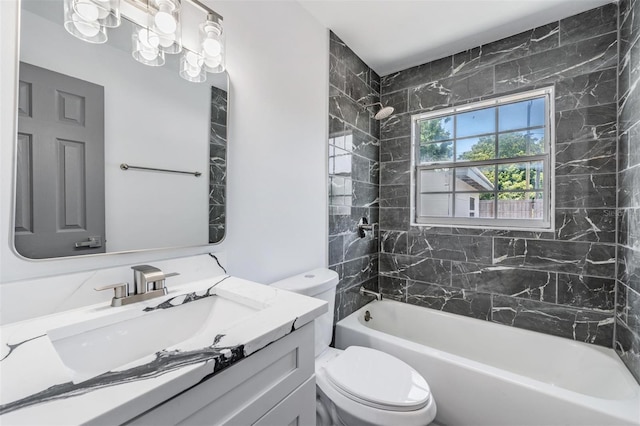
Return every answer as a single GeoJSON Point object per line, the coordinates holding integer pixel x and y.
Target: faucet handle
{"type": "Point", "coordinates": [120, 290]}
{"type": "Point", "coordinates": [159, 284]}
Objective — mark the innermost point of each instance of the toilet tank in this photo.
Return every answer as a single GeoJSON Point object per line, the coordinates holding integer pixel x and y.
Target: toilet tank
{"type": "Point", "coordinates": [321, 284]}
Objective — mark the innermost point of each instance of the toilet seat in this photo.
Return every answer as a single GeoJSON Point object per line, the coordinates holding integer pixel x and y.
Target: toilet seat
{"type": "Point", "coordinates": [377, 379]}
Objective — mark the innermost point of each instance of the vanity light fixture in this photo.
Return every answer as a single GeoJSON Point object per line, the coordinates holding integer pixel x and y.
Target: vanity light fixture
{"type": "Point", "coordinates": [158, 30]}
{"type": "Point", "coordinates": [146, 48]}
{"type": "Point", "coordinates": [212, 42]}
{"type": "Point", "coordinates": [82, 22]}
{"type": "Point", "coordinates": [164, 20]}
{"type": "Point", "coordinates": [192, 67]}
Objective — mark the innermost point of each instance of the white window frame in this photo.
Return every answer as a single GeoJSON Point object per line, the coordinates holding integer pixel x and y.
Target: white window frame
{"type": "Point", "coordinates": [548, 159]}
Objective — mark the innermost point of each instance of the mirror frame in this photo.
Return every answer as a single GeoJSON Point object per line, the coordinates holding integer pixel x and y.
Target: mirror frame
{"type": "Point", "coordinates": [14, 172]}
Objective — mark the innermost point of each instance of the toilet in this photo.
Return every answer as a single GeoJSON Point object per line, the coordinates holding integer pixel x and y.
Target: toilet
{"type": "Point", "coordinates": [358, 385]}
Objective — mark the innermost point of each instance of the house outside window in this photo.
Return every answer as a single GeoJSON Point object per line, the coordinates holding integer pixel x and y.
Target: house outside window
{"type": "Point", "coordinates": [485, 164]}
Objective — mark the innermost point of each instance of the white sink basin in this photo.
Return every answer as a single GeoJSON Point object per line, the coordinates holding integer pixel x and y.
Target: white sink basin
{"type": "Point", "coordinates": [100, 345]}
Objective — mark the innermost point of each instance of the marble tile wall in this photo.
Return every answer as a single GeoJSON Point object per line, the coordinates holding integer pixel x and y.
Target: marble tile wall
{"type": "Point", "coordinates": [217, 165]}
{"type": "Point", "coordinates": [354, 170]}
{"type": "Point", "coordinates": [561, 282]}
{"type": "Point", "coordinates": [627, 341]}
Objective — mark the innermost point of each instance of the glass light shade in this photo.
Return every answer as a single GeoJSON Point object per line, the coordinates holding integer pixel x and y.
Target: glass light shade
{"type": "Point", "coordinates": [212, 44]}
{"type": "Point", "coordinates": [145, 48]}
{"type": "Point", "coordinates": [105, 12]}
{"type": "Point", "coordinates": [87, 30]}
{"type": "Point", "coordinates": [192, 67]}
{"type": "Point", "coordinates": [164, 20]}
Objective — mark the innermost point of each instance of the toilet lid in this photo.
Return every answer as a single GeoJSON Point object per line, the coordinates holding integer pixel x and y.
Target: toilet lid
{"type": "Point", "coordinates": [378, 379]}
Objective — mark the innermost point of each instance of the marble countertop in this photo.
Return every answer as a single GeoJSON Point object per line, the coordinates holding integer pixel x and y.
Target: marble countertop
{"type": "Point", "coordinates": [36, 387]}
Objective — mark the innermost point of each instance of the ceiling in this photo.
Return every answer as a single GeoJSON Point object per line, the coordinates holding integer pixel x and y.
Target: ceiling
{"type": "Point", "coordinates": [392, 35]}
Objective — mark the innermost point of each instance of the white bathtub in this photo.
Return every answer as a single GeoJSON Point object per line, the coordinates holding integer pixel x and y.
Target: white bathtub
{"type": "Point", "coordinates": [483, 373]}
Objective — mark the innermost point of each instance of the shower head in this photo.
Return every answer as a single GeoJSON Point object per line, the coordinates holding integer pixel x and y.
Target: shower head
{"type": "Point", "coordinates": [384, 112]}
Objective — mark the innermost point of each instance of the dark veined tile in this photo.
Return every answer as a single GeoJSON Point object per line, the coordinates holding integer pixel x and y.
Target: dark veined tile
{"type": "Point", "coordinates": [397, 125]}
{"type": "Point", "coordinates": [592, 259]}
{"type": "Point", "coordinates": [590, 157]}
{"type": "Point", "coordinates": [629, 187]}
{"type": "Point", "coordinates": [449, 299]}
{"type": "Point", "coordinates": [577, 324]}
{"type": "Point", "coordinates": [395, 173]}
{"type": "Point", "coordinates": [350, 300]}
{"type": "Point", "coordinates": [355, 247]}
{"type": "Point", "coordinates": [337, 73]}
{"type": "Point", "coordinates": [394, 196]}
{"type": "Point", "coordinates": [349, 111]}
{"type": "Point", "coordinates": [397, 100]}
{"type": "Point", "coordinates": [392, 288]}
{"type": "Point", "coordinates": [596, 88]}
{"type": "Point", "coordinates": [450, 247]}
{"type": "Point", "coordinates": [594, 22]}
{"type": "Point", "coordinates": [358, 90]}
{"type": "Point", "coordinates": [396, 149]}
{"type": "Point", "coordinates": [507, 281]}
{"type": "Point", "coordinates": [597, 225]}
{"type": "Point", "coordinates": [362, 143]}
{"type": "Point", "coordinates": [575, 59]}
{"type": "Point", "coordinates": [416, 268]}
{"type": "Point", "coordinates": [517, 46]}
{"type": "Point", "coordinates": [336, 249]}
{"type": "Point", "coordinates": [394, 218]}
{"type": "Point", "coordinates": [344, 54]}
{"type": "Point", "coordinates": [584, 191]}
{"type": "Point", "coordinates": [587, 292]}
{"type": "Point", "coordinates": [393, 242]}
{"type": "Point", "coordinates": [627, 345]}
{"type": "Point", "coordinates": [628, 108]}
{"type": "Point", "coordinates": [586, 124]}
{"type": "Point", "coordinates": [357, 271]}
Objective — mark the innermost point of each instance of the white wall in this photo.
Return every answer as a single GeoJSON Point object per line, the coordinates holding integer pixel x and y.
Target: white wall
{"type": "Point", "coordinates": [277, 200]}
{"type": "Point", "coordinates": [277, 214]}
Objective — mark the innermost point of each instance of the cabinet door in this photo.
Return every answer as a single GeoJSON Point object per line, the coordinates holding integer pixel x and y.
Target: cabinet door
{"type": "Point", "coordinates": [295, 409]}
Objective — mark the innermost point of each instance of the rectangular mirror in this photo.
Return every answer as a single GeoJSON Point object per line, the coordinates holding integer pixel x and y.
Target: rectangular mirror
{"type": "Point", "coordinates": [92, 122]}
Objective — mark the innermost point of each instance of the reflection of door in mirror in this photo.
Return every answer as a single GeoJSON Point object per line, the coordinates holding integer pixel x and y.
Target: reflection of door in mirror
{"type": "Point", "coordinates": [60, 198]}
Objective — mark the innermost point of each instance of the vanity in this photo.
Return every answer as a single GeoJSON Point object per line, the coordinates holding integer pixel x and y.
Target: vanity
{"type": "Point", "coordinates": [221, 350]}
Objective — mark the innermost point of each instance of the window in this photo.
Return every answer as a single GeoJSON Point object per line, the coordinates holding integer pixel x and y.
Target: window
{"type": "Point", "coordinates": [485, 164]}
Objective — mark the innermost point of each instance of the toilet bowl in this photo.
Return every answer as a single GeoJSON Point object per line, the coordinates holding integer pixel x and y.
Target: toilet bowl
{"type": "Point", "coordinates": [359, 386]}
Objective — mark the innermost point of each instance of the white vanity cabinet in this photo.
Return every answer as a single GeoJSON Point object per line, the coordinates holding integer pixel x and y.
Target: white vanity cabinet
{"type": "Point", "coordinates": [274, 386]}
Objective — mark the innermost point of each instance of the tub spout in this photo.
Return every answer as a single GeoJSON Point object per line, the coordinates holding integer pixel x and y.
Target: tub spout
{"type": "Point", "coordinates": [365, 292]}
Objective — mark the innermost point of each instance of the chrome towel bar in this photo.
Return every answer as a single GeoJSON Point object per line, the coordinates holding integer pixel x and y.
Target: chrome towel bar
{"type": "Point", "coordinates": [125, 166]}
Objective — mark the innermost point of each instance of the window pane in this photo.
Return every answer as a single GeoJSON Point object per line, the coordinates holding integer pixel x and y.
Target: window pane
{"type": "Point", "coordinates": [476, 122]}
{"type": "Point", "coordinates": [475, 205]}
{"type": "Point", "coordinates": [340, 191]}
{"type": "Point", "coordinates": [436, 205]}
{"type": "Point", "coordinates": [339, 162]}
{"type": "Point", "coordinates": [474, 149]}
{"type": "Point", "coordinates": [438, 151]}
{"type": "Point", "coordinates": [516, 144]}
{"type": "Point", "coordinates": [438, 129]}
{"type": "Point", "coordinates": [437, 180]}
{"type": "Point", "coordinates": [480, 178]}
{"type": "Point", "coordinates": [520, 205]}
{"type": "Point", "coordinates": [520, 176]}
{"type": "Point", "coordinates": [521, 115]}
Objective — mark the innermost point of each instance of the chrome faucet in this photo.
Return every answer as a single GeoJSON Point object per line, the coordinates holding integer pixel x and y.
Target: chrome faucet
{"type": "Point", "coordinates": [365, 292]}
{"type": "Point", "coordinates": [148, 282]}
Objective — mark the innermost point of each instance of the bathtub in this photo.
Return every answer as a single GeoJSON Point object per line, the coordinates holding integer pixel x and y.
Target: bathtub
{"type": "Point", "coordinates": [481, 373]}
